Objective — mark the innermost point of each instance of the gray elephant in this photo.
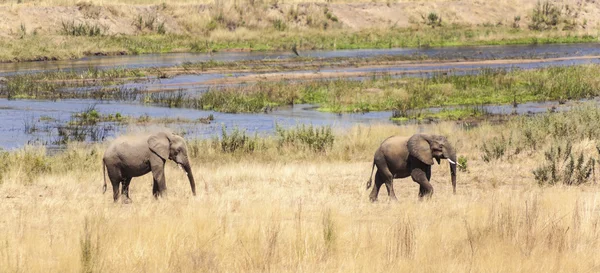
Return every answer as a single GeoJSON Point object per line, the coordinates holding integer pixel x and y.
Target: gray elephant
{"type": "Point", "coordinates": [132, 156]}
{"type": "Point", "coordinates": [401, 157]}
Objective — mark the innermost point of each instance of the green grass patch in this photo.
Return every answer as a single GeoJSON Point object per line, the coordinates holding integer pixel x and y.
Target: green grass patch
{"type": "Point", "coordinates": [405, 95]}
{"type": "Point", "coordinates": [85, 40]}
{"type": "Point", "coordinates": [459, 113]}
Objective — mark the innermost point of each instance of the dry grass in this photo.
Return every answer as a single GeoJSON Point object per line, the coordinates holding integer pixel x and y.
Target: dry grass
{"type": "Point", "coordinates": [154, 2]}
{"type": "Point", "coordinates": [283, 212]}
{"type": "Point", "coordinates": [60, 29]}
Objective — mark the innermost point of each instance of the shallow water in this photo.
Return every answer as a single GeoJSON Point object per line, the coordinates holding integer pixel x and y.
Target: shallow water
{"type": "Point", "coordinates": [18, 117]}
{"type": "Point", "coordinates": [171, 59]}
{"type": "Point", "coordinates": [32, 121]}
{"type": "Point", "coordinates": [15, 116]}
{"type": "Point", "coordinates": [192, 84]}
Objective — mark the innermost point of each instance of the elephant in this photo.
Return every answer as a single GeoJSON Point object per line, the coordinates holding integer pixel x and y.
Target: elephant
{"type": "Point", "coordinates": [132, 156]}
{"type": "Point", "coordinates": [401, 157]}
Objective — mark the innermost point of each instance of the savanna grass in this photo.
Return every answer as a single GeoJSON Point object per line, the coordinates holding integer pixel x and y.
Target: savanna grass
{"type": "Point", "coordinates": [282, 210]}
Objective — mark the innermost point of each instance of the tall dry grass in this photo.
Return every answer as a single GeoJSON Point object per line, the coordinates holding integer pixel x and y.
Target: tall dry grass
{"type": "Point", "coordinates": [153, 2]}
{"type": "Point", "coordinates": [301, 211]}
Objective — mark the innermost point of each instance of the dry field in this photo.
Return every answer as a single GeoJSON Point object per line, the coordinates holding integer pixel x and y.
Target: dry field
{"type": "Point", "coordinates": [36, 30]}
{"type": "Point", "coordinates": [192, 16]}
{"type": "Point", "coordinates": [294, 211]}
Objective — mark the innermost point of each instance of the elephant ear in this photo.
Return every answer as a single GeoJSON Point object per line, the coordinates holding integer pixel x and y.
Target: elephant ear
{"type": "Point", "coordinates": [419, 148]}
{"type": "Point", "coordinates": [159, 144]}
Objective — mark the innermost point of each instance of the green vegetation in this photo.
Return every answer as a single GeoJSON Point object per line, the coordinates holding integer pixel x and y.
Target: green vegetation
{"type": "Point", "coordinates": [463, 163]}
{"type": "Point", "coordinates": [306, 137]}
{"type": "Point", "coordinates": [458, 113]}
{"type": "Point", "coordinates": [236, 141]}
{"type": "Point", "coordinates": [404, 96]}
{"type": "Point", "coordinates": [42, 47]}
{"type": "Point", "coordinates": [300, 138]}
{"type": "Point", "coordinates": [523, 134]}
{"type": "Point", "coordinates": [82, 29]}
{"type": "Point", "coordinates": [91, 125]}
{"type": "Point", "coordinates": [53, 84]}
{"type": "Point", "coordinates": [433, 20]}
{"type": "Point", "coordinates": [547, 16]}
{"type": "Point", "coordinates": [407, 97]}
{"type": "Point", "coordinates": [561, 167]}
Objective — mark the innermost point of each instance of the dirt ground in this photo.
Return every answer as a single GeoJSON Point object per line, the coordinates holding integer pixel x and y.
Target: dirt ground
{"type": "Point", "coordinates": [181, 17]}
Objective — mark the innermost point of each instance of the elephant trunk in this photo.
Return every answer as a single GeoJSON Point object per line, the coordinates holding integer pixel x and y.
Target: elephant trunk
{"type": "Point", "coordinates": [453, 175]}
{"type": "Point", "coordinates": [452, 162]}
{"type": "Point", "coordinates": [188, 170]}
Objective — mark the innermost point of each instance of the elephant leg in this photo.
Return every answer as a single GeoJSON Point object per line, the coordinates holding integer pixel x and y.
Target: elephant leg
{"type": "Point", "coordinates": [422, 178]}
{"type": "Point", "coordinates": [154, 188]}
{"type": "Point", "coordinates": [378, 182]}
{"type": "Point", "coordinates": [157, 165]}
{"type": "Point", "coordinates": [115, 179]}
{"type": "Point", "coordinates": [388, 179]}
{"type": "Point", "coordinates": [158, 188]}
{"type": "Point", "coordinates": [383, 177]}
{"type": "Point", "coordinates": [125, 190]}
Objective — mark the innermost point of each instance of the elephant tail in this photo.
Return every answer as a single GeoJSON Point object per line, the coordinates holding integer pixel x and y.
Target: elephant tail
{"type": "Point", "coordinates": [371, 176]}
{"type": "Point", "coordinates": [104, 176]}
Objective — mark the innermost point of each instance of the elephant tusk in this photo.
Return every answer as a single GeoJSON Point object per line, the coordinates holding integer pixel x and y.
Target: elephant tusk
{"type": "Point", "coordinates": [450, 160]}
{"type": "Point", "coordinates": [181, 168]}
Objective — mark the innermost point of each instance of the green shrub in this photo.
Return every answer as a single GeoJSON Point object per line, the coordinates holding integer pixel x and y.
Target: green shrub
{"type": "Point", "coordinates": [499, 147]}
{"type": "Point", "coordinates": [548, 16]}
{"type": "Point", "coordinates": [462, 163]}
{"type": "Point", "coordinates": [279, 25]}
{"type": "Point", "coordinates": [317, 139]}
{"type": "Point", "coordinates": [433, 20]}
{"type": "Point", "coordinates": [70, 28]}
{"type": "Point", "coordinates": [237, 141]}
{"type": "Point", "coordinates": [30, 162]}
{"type": "Point", "coordinates": [562, 167]}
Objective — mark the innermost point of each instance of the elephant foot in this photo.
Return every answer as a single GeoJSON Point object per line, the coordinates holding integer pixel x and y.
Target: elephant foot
{"type": "Point", "coordinates": [424, 198]}
{"type": "Point", "coordinates": [127, 201]}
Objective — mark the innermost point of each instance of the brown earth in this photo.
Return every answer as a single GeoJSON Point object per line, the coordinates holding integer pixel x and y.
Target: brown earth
{"type": "Point", "coordinates": [183, 17]}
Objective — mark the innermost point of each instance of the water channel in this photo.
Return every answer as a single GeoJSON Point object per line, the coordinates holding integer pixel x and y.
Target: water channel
{"type": "Point", "coordinates": [37, 122]}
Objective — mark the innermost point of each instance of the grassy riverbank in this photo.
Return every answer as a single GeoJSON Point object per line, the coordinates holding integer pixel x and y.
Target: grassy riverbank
{"type": "Point", "coordinates": [77, 29]}
{"type": "Point", "coordinates": [404, 95]}
{"type": "Point", "coordinates": [380, 92]}
{"type": "Point", "coordinates": [282, 207]}
{"type": "Point", "coordinates": [42, 47]}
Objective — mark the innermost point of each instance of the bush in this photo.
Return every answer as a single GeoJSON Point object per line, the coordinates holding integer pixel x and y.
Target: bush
{"type": "Point", "coordinates": [498, 147]}
{"type": "Point", "coordinates": [236, 141]}
{"type": "Point", "coordinates": [433, 20]}
{"type": "Point", "coordinates": [516, 22]}
{"type": "Point", "coordinates": [279, 25]}
{"type": "Point", "coordinates": [317, 139]}
{"type": "Point", "coordinates": [577, 124]}
{"type": "Point", "coordinates": [29, 161]}
{"type": "Point", "coordinates": [462, 163]}
{"type": "Point", "coordinates": [89, 116]}
{"type": "Point", "coordinates": [82, 29]}
{"type": "Point", "coordinates": [548, 16]}
{"type": "Point", "coordinates": [561, 167]}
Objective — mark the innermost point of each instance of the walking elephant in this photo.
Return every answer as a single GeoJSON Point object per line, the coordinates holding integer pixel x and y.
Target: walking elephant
{"type": "Point", "coordinates": [401, 157]}
{"type": "Point", "coordinates": [132, 156]}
